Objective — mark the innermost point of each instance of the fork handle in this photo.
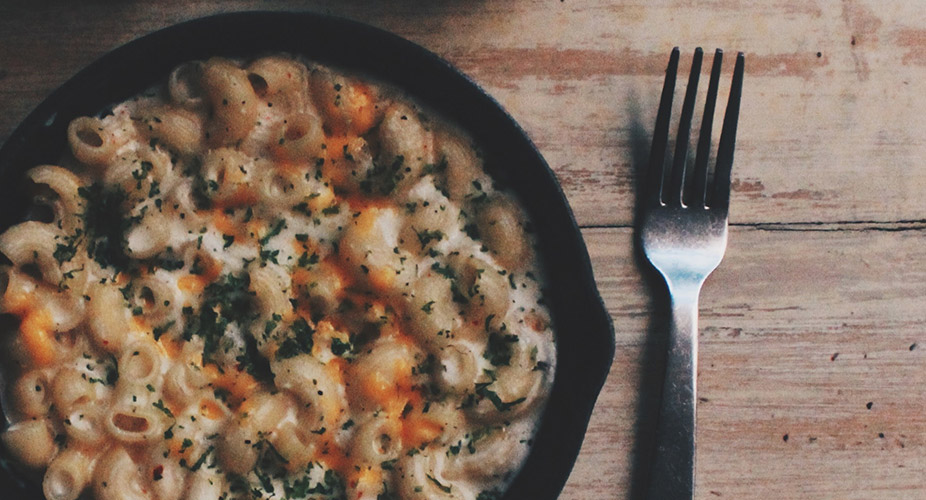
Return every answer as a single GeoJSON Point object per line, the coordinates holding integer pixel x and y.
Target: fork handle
{"type": "Point", "coordinates": [673, 472]}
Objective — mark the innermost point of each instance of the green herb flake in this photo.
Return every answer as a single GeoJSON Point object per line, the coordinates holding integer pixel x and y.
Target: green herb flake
{"type": "Point", "coordinates": [64, 253]}
{"type": "Point", "coordinates": [162, 329]}
{"type": "Point", "coordinates": [498, 348]}
{"type": "Point", "coordinates": [443, 271]}
{"type": "Point", "coordinates": [339, 347]}
{"type": "Point", "coordinates": [202, 459]}
{"type": "Point", "coordinates": [275, 230]}
{"type": "Point", "coordinates": [445, 489]}
{"type": "Point", "coordinates": [306, 260]}
{"type": "Point", "coordinates": [160, 406]}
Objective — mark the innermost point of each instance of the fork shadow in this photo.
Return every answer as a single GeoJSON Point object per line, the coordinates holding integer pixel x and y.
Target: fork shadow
{"type": "Point", "coordinates": [653, 351]}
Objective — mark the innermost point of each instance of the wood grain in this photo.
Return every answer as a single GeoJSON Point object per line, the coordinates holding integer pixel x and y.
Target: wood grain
{"type": "Point", "coordinates": [813, 346]}
{"type": "Point", "coordinates": [792, 353]}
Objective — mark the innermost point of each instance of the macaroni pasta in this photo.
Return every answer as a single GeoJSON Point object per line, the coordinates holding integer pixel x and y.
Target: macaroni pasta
{"type": "Point", "coordinates": [272, 279]}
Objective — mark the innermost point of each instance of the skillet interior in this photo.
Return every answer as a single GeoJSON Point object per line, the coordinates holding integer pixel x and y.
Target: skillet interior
{"type": "Point", "coordinates": [585, 340]}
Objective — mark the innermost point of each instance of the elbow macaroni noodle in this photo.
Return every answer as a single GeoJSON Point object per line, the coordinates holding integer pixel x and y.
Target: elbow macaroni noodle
{"type": "Point", "coordinates": [272, 279]}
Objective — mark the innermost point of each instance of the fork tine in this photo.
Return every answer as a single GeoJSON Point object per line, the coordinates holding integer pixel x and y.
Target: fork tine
{"type": "Point", "coordinates": [657, 157]}
{"type": "Point", "coordinates": [721, 199]}
{"type": "Point", "coordinates": [677, 180]}
{"type": "Point", "coordinates": [699, 189]}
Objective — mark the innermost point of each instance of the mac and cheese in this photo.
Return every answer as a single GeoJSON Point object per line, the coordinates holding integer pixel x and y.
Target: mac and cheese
{"type": "Point", "coordinates": [272, 279]}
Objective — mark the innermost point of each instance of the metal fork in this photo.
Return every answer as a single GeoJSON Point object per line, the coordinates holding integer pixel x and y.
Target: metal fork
{"type": "Point", "coordinates": [684, 234]}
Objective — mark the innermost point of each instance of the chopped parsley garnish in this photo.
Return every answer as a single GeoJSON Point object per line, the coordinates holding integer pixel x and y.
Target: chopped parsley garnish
{"type": "Point", "coordinates": [306, 260]}
{"type": "Point", "coordinates": [228, 300]}
{"type": "Point", "coordinates": [142, 172]}
{"type": "Point", "coordinates": [498, 348]}
{"type": "Point", "coordinates": [442, 487]}
{"type": "Point", "coordinates": [202, 459]}
{"type": "Point", "coordinates": [443, 271]}
{"type": "Point", "coordinates": [269, 256]}
{"type": "Point", "coordinates": [112, 374]}
{"type": "Point", "coordinates": [64, 253]}
{"type": "Point", "coordinates": [197, 267]}
{"type": "Point", "coordinates": [339, 347]}
{"type": "Point", "coordinates": [383, 178]}
{"type": "Point", "coordinates": [488, 321]}
{"type": "Point", "coordinates": [471, 230]}
{"type": "Point", "coordinates": [159, 404]}
{"type": "Point", "coordinates": [425, 236]}
{"type": "Point", "coordinates": [300, 343]}
{"type": "Point", "coordinates": [426, 366]}
{"type": "Point", "coordinates": [104, 225]}
{"type": "Point", "coordinates": [438, 167]}
{"type": "Point", "coordinates": [253, 362]}
{"type": "Point", "coordinates": [332, 484]}
{"type": "Point", "coordinates": [280, 224]}
{"type": "Point", "coordinates": [303, 208]}
{"type": "Point", "coordinates": [483, 390]}
{"type": "Point", "coordinates": [271, 324]}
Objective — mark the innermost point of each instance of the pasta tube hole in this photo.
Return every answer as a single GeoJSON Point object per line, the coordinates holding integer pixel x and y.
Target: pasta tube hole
{"type": "Point", "coordinates": [32, 270]}
{"type": "Point", "coordinates": [140, 362]}
{"type": "Point", "coordinates": [295, 131]}
{"type": "Point", "coordinates": [146, 296]}
{"type": "Point", "coordinates": [384, 443]}
{"type": "Point", "coordinates": [258, 83]}
{"type": "Point", "coordinates": [90, 137]}
{"type": "Point", "coordinates": [140, 368]}
{"type": "Point", "coordinates": [42, 211]}
{"type": "Point", "coordinates": [62, 484]}
{"type": "Point", "coordinates": [130, 423]}
{"type": "Point", "coordinates": [184, 84]}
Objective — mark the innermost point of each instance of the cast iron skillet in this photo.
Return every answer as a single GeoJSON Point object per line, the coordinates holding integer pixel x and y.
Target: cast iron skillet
{"type": "Point", "coordinates": [585, 341]}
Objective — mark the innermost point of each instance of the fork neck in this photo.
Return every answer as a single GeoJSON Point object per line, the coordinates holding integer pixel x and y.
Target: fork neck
{"type": "Point", "coordinates": [685, 289]}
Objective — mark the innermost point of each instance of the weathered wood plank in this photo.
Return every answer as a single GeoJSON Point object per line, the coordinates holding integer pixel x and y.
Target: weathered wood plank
{"type": "Point", "coordinates": [829, 137]}
{"type": "Point", "coordinates": [800, 331]}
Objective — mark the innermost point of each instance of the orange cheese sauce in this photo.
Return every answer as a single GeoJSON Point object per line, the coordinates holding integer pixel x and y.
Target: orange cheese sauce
{"type": "Point", "coordinates": [36, 333]}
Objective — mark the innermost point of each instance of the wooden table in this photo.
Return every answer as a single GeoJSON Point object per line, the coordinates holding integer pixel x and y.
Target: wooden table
{"type": "Point", "coordinates": [813, 330]}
